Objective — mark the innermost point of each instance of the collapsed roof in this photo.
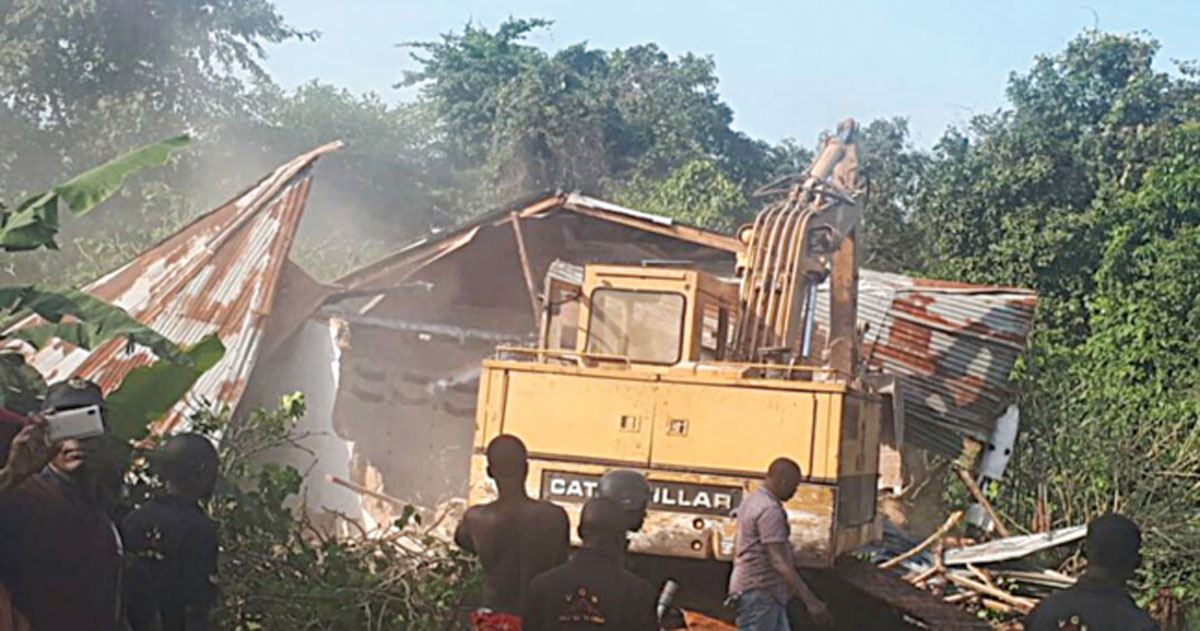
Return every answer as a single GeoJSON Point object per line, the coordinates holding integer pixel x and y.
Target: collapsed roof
{"type": "Point", "coordinates": [223, 273]}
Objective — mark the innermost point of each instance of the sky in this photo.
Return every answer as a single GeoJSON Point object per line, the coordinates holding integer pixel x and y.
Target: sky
{"type": "Point", "coordinates": [788, 69]}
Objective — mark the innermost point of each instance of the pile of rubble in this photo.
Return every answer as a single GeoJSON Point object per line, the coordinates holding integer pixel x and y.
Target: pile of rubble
{"type": "Point", "coordinates": [1001, 579]}
{"type": "Point", "coordinates": [996, 576]}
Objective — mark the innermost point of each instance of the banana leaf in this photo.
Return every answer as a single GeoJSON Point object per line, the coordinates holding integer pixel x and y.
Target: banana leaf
{"type": "Point", "coordinates": [149, 392]}
{"type": "Point", "coordinates": [34, 222]}
{"type": "Point", "coordinates": [21, 387]}
{"type": "Point", "coordinates": [94, 321]}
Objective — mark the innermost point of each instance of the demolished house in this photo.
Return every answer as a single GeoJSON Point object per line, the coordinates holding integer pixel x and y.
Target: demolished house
{"type": "Point", "coordinates": [388, 358]}
{"type": "Point", "coordinates": [419, 321]}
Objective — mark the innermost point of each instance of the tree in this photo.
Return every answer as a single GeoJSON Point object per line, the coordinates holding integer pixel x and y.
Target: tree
{"type": "Point", "coordinates": [1009, 201]}
{"type": "Point", "coordinates": [697, 193]}
{"type": "Point", "coordinates": [82, 80]}
{"type": "Point", "coordinates": [1125, 417]}
{"type": "Point", "coordinates": [525, 121]}
{"type": "Point", "coordinates": [67, 62]}
{"type": "Point", "coordinates": [1086, 189]}
{"type": "Point", "coordinates": [894, 172]}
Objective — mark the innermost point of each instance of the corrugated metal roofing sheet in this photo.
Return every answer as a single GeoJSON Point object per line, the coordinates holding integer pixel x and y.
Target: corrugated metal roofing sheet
{"type": "Point", "coordinates": [951, 345]}
{"type": "Point", "coordinates": [394, 268]}
{"type": "Point", "coordinates": [218, 275]}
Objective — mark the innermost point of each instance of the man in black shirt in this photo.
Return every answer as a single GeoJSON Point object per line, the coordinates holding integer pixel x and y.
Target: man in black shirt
{"type": "Point", "coordinates": [593, 590]}
{"type": "Point", "coordinates": [1100, 600]}
{"type": "Point", "coordinates": [172, 544]}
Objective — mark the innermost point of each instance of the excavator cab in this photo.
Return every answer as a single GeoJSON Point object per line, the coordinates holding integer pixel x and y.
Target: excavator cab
{"type": "Point", "coordinates": [649, 317]}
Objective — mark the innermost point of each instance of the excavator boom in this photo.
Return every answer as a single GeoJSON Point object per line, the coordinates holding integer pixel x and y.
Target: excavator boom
{"type": "Point", "coordinates": [788, 252]}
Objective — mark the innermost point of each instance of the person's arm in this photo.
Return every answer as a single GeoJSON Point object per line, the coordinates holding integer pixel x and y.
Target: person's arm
{"type": "Point", "coordinates": [782, 564]}
{"type": "Point", "coordinates": [462, 534]}
{"type": "Point", "coordinates": [27, 455]}
{"type": "Point", "coordinates": [531, 616]}
{"type": "Point", "coordinates": [199, 563]}
{"type": "Point", "coordinates": [773, 532]}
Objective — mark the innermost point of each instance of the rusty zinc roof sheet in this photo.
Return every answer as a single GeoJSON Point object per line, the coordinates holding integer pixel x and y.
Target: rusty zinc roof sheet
{"type": "Point", "coordinates": [218, 274]}
{"type": "Point", "coordinates": [951, 345]}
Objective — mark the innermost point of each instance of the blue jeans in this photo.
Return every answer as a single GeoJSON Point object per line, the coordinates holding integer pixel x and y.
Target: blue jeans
{"type": "Point", "coordinates": [759, 610]}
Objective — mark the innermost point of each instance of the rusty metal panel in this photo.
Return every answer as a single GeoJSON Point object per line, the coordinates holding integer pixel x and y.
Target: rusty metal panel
{"type": "Point", "coordinates": [951, 345]}
{"type": "Point", "coordinates": [219, 274]}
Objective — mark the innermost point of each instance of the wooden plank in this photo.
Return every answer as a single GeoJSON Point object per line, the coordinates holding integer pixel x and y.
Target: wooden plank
{"type": "Point", "coordinates": [951, 522]}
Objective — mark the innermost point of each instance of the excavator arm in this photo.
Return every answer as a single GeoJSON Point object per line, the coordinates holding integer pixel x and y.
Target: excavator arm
{"type": "Point", "coordinates": [790, 249]}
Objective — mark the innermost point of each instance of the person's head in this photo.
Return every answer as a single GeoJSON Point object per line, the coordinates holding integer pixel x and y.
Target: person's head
{"type": "Point", "coordinates": [73, 456]}
{"type": "Point", "coordinates": [1113, 546]}
{"type": "Point", "coordinates": [602, 523]}
{"type": "Point", "coordinates": [508, 462]}
{"type": "Point", "coordinates": [188, 462]}
{"type": "Point", "coordinates": [783, 476]}
{"type": "Point", "coordinates": [631, 491]}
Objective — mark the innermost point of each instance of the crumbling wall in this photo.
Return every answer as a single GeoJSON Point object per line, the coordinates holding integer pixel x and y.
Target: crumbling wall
{"type": "Point", "coordinates": [309, 362]}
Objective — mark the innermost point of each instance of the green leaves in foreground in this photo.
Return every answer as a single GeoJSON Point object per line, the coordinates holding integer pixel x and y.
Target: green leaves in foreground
{"type": "Point", "coordinates": [94, 321]}
{"type": "Point", "coordinates": [34, 222]}
{"type": "Point", "coordinates": [149, 392]}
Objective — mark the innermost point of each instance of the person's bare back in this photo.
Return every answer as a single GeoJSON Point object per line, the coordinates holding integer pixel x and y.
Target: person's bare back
{"type": "Point", "coordinates": [516, 540]}
{"type": "Point", "coordinates": [516, 537]}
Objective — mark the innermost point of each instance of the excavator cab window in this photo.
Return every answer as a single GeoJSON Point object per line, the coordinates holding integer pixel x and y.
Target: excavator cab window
{"type": "Point", "coordinates": [562, 316]}
{"type": "Point", "coordinates": [716, 332]}
{"type": "Point", "coordinates": [644, 326]}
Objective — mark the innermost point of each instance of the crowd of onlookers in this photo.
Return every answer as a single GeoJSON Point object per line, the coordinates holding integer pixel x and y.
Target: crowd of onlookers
{"type": "Point", "coordinates": [531, 585]}
{"type": "Point", "coordinates": [74, 557]}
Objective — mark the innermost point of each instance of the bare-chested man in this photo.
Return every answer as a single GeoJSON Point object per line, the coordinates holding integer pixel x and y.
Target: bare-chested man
{"type": "Point", "coordinates": [516, 537]}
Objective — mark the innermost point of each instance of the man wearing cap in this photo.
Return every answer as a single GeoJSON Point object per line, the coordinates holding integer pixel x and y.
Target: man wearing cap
{"type": "Point", "coordinates": [171, 544]}
{"type": "Point", "coordinates": [593, 590]}
{"type": "Point", "coordinates": [1099, 600]}
{"type": "Point", "coordinates": [60, 555]}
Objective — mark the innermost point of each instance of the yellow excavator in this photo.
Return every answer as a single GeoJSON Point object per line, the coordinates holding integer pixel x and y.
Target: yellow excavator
{"type": "Point", "coordinates": [699, 382]}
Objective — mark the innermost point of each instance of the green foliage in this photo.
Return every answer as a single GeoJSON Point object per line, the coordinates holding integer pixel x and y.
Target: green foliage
{"type": "Point", "coordinates": [85, 191]}
{"type": "Point", "coordinates": [148, 392]}
{"type": "Point", "coordinates": [894, 172]}
{"type": "Point", "coordinates": [1136, 444]}
{"type": "Point", "coordinates": [1012, 201]}
{"type": "Point", "coordinates": [21, 387]}
{"type": "Point", "coordinates": [697, 193]}
{"type": "Point", "coordinates": [94, 321]}
{"type": "Point", "coordinates": [1089, 191]}
{"type": "Point", "coordinates": [279, 573]}
{"type": "Point", "coordinates": [67, 61]}
{"type": "Point", "coordinates": [523, 121]}
{"type": "Point", "coordinates": [34, 222]}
